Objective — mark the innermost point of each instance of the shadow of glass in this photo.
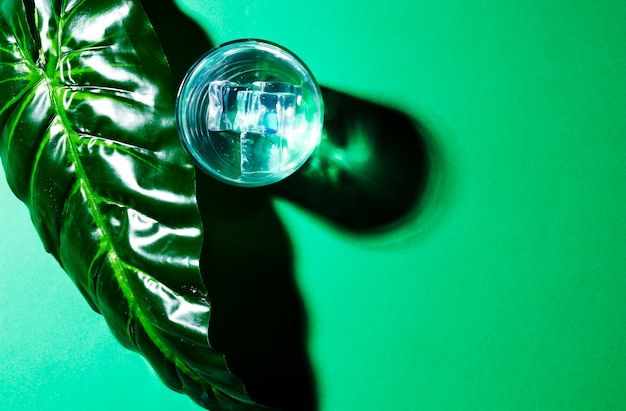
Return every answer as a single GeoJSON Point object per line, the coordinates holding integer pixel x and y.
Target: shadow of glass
{"type": "Point", "coordinates": [368, 174]}
{"type": "Point", "coordinates": [370, 170]}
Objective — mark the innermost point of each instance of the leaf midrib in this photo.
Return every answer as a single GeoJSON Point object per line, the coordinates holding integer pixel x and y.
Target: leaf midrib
{"type": "Point", "coordinates": [93, 201]}
{"type": "Point", "coordinates": [47, 74]}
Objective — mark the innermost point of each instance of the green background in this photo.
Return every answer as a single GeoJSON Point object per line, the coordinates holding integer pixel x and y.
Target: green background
{"type": "Point", "coordinates": [506, 292]}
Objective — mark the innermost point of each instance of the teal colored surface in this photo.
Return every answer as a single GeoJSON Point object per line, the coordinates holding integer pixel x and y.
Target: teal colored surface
{"type": "Point", "coordinates": [506, 292]}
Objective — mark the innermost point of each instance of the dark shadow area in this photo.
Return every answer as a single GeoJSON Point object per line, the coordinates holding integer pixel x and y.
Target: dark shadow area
{"type": "Point", "coordinates": [367, 175]}
{"type": "Point", "coordinates": [369, 171]}
{"type": "Point", "coordinates": [258, 317]}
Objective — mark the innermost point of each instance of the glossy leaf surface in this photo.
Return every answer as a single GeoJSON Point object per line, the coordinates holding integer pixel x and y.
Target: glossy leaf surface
{"type": "Point", "coordinates": [89, 144]}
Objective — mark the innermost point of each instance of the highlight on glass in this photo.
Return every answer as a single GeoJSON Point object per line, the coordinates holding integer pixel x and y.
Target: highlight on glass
{"type": "Point", "coordinates": [249, 113]}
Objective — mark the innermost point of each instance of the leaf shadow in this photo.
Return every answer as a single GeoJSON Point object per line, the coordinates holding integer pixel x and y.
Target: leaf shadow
{"type": "Point", "coordinates": [368, 175]}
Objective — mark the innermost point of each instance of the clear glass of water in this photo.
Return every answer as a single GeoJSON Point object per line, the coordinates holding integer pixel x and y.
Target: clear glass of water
{"type": "Point", "coordinates": [249, 113]}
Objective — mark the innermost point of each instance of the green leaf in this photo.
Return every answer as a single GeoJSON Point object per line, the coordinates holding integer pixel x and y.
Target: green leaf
{"type": "Point", "coordinates": [89, 144]}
